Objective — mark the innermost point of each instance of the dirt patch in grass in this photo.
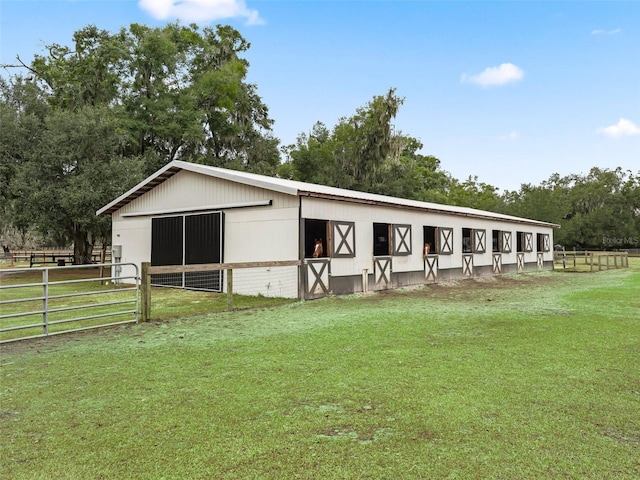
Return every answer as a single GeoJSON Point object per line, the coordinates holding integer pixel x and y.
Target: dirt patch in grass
{"type": "Point", "coordinates": [471, 287]}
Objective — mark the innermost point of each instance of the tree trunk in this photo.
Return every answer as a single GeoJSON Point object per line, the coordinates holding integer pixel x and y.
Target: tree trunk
{"type": "Point", "coordinates": [82, 248]}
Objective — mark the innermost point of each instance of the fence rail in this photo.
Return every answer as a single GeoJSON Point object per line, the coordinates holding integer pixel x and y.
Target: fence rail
{"type": "Point", "coordinates": [50, 257]}
{"type": "Point", "coordinates": [593, 260]}
{"type": "Point", "coordinates": [59, 310]}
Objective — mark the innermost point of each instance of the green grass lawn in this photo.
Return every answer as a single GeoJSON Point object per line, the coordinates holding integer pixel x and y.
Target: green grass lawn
{"type": "Point", "coordinates": [167, 302]}
{"type": "Point", "coordinates": [528, 376]}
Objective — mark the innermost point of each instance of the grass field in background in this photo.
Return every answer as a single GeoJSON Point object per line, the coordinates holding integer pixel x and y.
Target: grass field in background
{"type": "Point", "coordinates": [527, 376]}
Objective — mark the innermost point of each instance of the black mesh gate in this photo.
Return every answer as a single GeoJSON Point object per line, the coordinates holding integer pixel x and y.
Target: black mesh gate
{"type": "Point", "coordinates": [188, 240]}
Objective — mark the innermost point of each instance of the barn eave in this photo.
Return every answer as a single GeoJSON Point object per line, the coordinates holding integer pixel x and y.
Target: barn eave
{"type": "Point", "coordinates": [302, 189]}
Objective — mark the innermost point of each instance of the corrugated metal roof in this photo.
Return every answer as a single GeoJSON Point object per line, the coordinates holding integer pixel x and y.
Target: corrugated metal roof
{"type": "Point", "coordinates": [292, 187]}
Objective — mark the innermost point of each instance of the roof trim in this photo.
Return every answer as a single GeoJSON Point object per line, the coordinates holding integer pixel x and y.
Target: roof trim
{"type": "Point", "coordinates": [438, 209]}
{"type": "Point", "coordinates": [302, 189]}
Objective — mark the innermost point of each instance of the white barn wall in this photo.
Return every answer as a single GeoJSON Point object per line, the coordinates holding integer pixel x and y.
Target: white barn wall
{"type": "Point", "coordinates": [364, 216]}
{"type": "Point", "coordinates": [250, 233]}
{"type": "Point", "coordinates": [134, 234]}
{"type": "Point", "coordinates": [263, 234]}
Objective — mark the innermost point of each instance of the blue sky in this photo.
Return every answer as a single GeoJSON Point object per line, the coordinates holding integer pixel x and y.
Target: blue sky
{"type": "Point", "coordinates": [510, 92]}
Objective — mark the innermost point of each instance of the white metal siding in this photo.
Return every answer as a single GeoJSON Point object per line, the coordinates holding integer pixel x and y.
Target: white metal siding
{"type": "Point", "coordinates": [261, 233]}
{"type": "Point", "coordinates": [189, 190]}
{"type": "Point", "coordinates": [365, 216]}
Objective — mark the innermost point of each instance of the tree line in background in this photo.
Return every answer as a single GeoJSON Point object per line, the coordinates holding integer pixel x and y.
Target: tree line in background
{"type": "Point", "coordinates": [88, 122]}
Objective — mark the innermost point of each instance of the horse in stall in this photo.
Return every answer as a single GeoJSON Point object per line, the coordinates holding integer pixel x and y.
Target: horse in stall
{"type": "Point", "coordinates": [427, 248]}
{"type": "Point", "coordinates": [318, 250]}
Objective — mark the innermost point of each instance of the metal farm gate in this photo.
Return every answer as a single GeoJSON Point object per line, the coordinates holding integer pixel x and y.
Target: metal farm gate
{"type": "Point", "coordinates": [53, 300]}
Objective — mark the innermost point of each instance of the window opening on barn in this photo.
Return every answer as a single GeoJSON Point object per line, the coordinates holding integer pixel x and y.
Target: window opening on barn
{"type": "Point", "coordinates": [543, 243]}
{"type": "Point", "coordinates": [524, 242]}
{"type": "Point", "coordinates": [429, 239]}
{"type": "Point", "coordinates": [467, 246]}
{"type": "Point", "coordinates": [316, 231]}
{"type": "Point", "coordinates": [520, 242]}
{"type": "Point", "coordinates": [381, 244]}
{"type": "Point", "coordinates": [496, 241]}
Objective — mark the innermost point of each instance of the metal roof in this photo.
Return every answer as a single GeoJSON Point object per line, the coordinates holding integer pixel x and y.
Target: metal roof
{"type": "Point", "coordinates": [292, 187]}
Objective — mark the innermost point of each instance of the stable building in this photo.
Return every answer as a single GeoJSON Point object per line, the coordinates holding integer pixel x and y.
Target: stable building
{"type": "Point", "coordinates": [191, 214]}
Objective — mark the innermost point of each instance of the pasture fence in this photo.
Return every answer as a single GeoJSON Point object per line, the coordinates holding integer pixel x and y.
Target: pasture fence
{"type": "Point", "coordinates": [147, 270]}
{"type": "Point", "coordinates": [43, 257]}
{"type": "Point", "coordinates": [97, 301]}
{"type": "Point", "coordinates": [592, 261]}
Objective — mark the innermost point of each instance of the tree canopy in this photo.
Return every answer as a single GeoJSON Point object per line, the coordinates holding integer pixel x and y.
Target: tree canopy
{"type": "Point", "coordinates": [600, 209]}
{"type": "Point", "coordinates": [91, 119]}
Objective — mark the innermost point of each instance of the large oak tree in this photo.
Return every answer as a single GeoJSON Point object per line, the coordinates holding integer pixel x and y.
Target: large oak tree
{"type": "Point", "coordinates": [118, 106]}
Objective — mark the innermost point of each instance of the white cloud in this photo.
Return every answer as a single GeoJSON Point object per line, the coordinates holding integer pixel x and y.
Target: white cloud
{"type": "Point", "coordinates": [606, 32]}
{"type": "Point", "coordinates": [200, 10]}
{"type": "Point", "coordinates": [493, 76]}
{"type": "Point", "coordinates": [624, 128]}
{"type": "Point", "coordinates": [511, 136]}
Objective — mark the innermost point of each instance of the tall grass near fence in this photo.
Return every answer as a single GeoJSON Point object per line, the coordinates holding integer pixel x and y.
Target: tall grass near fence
{"type": "Point", "coordinates": [528, 376]}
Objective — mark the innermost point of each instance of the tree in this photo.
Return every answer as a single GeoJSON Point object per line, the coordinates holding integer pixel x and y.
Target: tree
{"type": "Point", "coordinates": [115, 107]}
{"type": "Point", "coordinates": [474, 194]}
{"type": "Point", "coordinates": [89, 73]}
{"type": "Point", "coordinates": [353, 154]}
{"type": "Point", "coordinates": [23, 110]}
{"type": "Point", "coordinates": [75, 169]}
{"type": "Point", "coordinates": [176, 90]}
{"type": "Point", "coordinates": [602, 209]}
{"type": "Point", "coordinates": [597, 210]}
{"type": "Point", "coordinates": [188, 99]}
{"type": "Point", "coordinates": [413, 175]}
{"type": "Point", "coordinates": [311, 159]}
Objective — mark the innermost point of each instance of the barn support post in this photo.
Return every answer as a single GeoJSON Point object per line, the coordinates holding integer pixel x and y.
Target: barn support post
{"type": "Point", "coordinates": [145, 292]}
{"type": "Point", "coordinates": [229, 289]}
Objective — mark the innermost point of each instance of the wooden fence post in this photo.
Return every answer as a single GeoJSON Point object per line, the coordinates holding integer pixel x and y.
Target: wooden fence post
{"type": "Point", "coordinates": [229, 290]}
{"type": "Point", "coordinates": [145, 292]}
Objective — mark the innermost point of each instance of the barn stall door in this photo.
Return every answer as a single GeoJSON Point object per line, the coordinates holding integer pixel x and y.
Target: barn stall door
{"type": "Point", "coordinates": [317, 278]}
{"type": "Point", "coordinates": [382, 272]}
{"type": "Point", "coordinates": [188, 240]}
{"type": "Point", "coordinates": [431, 268]}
